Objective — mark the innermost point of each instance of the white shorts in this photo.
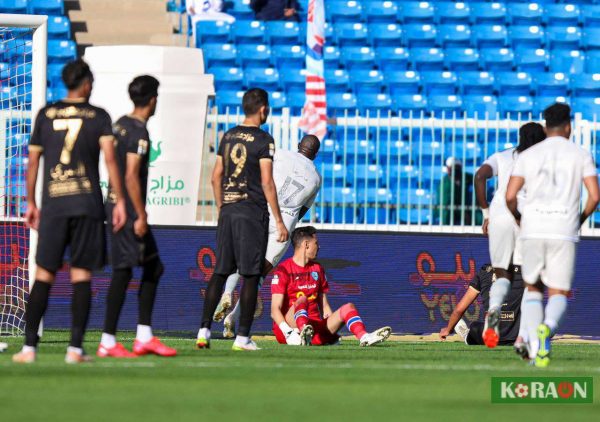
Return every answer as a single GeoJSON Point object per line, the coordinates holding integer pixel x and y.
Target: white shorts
{"type": "Point", "coordinates": [505, 247]}
{"type": "Point", "coordinates": [275, 249]}
{"type": "Point", "coordinates": [552, 260]}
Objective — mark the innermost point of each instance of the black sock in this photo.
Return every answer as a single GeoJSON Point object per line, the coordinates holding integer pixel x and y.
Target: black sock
{"type": "Point", "coordinates": [80, 309]}
{"type": "Point", "coordinates": [248, 299]}
{"type": "Point", "coordinates": [34, 311]}
{"type": "Point", "coordinates": [116, 298]}
{"type": "Point", "coordinates": [152, 272]}
{"type": "Point", "coordinates": [213, 296]}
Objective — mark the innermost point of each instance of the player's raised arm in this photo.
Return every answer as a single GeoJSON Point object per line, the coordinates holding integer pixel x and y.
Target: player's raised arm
{"type": "Point", "coordinates": [216, 181]}
{"type": "Point", "coordinates": [119, 213]}
{"type": "Point", "coordinates": [460, 309]}
{"type": "Point", "coordinates": [268, 185]}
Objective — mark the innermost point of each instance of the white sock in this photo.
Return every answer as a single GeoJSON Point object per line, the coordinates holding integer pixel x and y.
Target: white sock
{"type": "Point", "coordinates": [27, 349]}
{"type": "Point", "coordinates": [108, 340]}
{"type": "Point", "coordinates": [235, 313]}
{"type": "Point", "coordinates": [231, 283]}
{"type": "Point", "coordinates": [498, 292]}
{"type": "Point", "coordinates": [204, 333]}
{"type": "Point", "coordinates": [533, 312]}
{"type": "Point", "coordinates": [144, 333]}
{"type": "Point", "coordinates": [522, 326]}
{"type": "Point", "coordinates": [241, 340]}
{"type": "Point", "coordinates": [555, 311]}
{"type": "Point", "coordinates": [77, 350]}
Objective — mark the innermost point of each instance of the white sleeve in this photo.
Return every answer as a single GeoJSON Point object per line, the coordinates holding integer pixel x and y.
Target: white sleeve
{"type": "Point", "coordinates": [311, 200]}
{"type": "Point", "coordinates": [217, 5]}
{"type": "Point", "coordinates": [492, 161]}
{"type": "Point", "coordinates": [519, 168]}
{"type": "Point", "coordinates": [589, 168]}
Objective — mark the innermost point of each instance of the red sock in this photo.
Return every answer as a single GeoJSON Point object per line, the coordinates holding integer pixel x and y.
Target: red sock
{"type": "Point", "coordinates": [353, 321]}
{"type": "Point", "coordinates": [301, 312]}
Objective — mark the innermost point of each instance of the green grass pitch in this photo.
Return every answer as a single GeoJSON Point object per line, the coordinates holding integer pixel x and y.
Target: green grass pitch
{"type": "Point", "coordinates": [394, 381]}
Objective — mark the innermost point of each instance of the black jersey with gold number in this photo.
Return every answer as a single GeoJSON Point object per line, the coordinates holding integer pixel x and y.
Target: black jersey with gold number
{"type": "Point", "coordinates": [132, 138]}
{"type": "Point", "coordinates": [241, 149]}
{"type": "Point", "coordinates": [69, 133]}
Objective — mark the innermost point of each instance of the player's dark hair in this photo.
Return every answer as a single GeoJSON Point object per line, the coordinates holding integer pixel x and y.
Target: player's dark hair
{"type": "Point", "coordinates": [75, 73]}
{"type": "Point", "coordinates": [530, 134]}
{"type": "Point", "coordinates": [142, 89]}
{"type": "Point", "coordinates": [557, 115]}
{"type": "Point", "coordinates": [253, 100]}
{"type": "Point", "coordinates": [301, 234]}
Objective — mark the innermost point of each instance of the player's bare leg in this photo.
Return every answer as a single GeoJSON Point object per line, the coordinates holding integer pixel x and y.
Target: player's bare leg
{"type": "Point", "coordinates": [348, 315]}
{"type": "Point", "coordinates": [498, 292]}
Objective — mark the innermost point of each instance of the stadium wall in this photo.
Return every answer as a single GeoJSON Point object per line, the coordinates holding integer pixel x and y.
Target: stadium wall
{"type": "Point", "coordinates": [411, 282]}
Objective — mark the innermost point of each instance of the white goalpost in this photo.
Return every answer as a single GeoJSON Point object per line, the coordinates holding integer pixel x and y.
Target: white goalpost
{"type": "Point", "coordinates": [23, 54]}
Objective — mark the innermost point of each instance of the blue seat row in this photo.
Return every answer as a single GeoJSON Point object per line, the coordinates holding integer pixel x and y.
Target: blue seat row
{"type": "Point", "coordinates": [34, 7]}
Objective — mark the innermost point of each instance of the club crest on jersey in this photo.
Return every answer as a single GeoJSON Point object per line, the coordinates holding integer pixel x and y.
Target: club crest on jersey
{"type": "Point", "coordinates": [142, 147]}
{"type": "Point", "coordinates": [315, 275]}
{"type": "Point", "coordinates": [275, 279]}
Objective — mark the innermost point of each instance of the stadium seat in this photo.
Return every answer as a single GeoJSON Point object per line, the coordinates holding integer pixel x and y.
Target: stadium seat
{"type": "Point", "coordinates": [402, 82]}
{"type": "Point", "coordinates": [47, 7]}
{"type": "Point", "coordinates": [227, 78]}
{"type": "Point", "coordinates": [362, 175]}
{"type": "Point", "coordinates": [591, 38]}
{"type": "Point", "coordinates": [514, 83]}
{"type": "Point", "coordinates": [293, 81]}
{"type": "Point", "coordinates": [55, 94]}
{"type": "Point", "coordinates": [569, 62]}
{"type": "Point", "coordinates": [410, 105]}
{"type": "Point", "coordinates": [452, 12]}
{"type": "Point", "coordinates": [5, 71]}
{"type": "Point", "coordinates": [481, 106]}
{"type": "Point", "coordinates": [241, 10]}
{"type": "Point", "coordinates": [286, 57]}
{"type": "Point", "coordinates": [563, 37]}
{"type": "Point", "coordinates": [415, 197]}
{"type": "Point", "coordinates": [385, 34]}
{"type": "Point", "coordinates": [283, 33]}
{"type": "Point", "coordinates": [588, 107]}
{"type": "Point", "coordinates": [561, 14]}
{"type": "Point", "coordinates": [265, 78]}
{"type": "Point", "coordinates": [445, 105]}
{"type": "Point", "coordinates": [531, 60]}
{"type": "Point", "coordinates": [524, 13]}
{"type": "Point", "coordinates": [427, 58]}
{"type": "Point", "coordinates": [592, 62]}
{"type": "Point", "coordinates": [338, 103]}
{"type": "Point", "coordinates": [527, 36]}
{"type": "Point", "coordinates": [488, 13]}
{"type": "Point", "coordinates": [541, 103]}
{"type": "Point", "coordinates": [461, 59]}
{"type": "Point", "coordinates": [415, 11]}
{"type": "Point", "coordinates": [476, 83]}
{"type": "Point", "coordinates": [515, 106]}
{"type": "Point", "coordinates": [61, 51]}
{"type": "Point", "coordinates": [347, 34]}
{"type": "Point", "coordinates": [54, 74]}
{"type": "Point", "coordinates": [8, 96]}
{"type": "Point", "coordinates": [380, 11]}
{"type": "Point", "coordinates": [20, 74]}
{"type": "Point", "coordinates": [13, 6]}
{"type": "Point", "coordinates": [295, 101]}
{"type": "Point", "coordinates": [59, 27]}
{"type": "Point", "coordinates": [337, 80]}
{"type": "Point", "coordinates": [497, 59]}
{"type": "Point", "coordinates": [254, 55]}
{"type": "Point", "coordinates": [454, 35]}
{"type": "Point", "coordinates": [357, 58]}
{"type": "Point", "coordinates": [590, 15]}
{"type": "Point", "coordinates": [489, 35]}
{"type": "Point", "coordinates": [342, 204]}
{"type": "Point", "coordinates": [229, 100]}
{"type": "Point", "coordinates": [212, 31]}
{"type": "Point", "coordinates": [17, 50]}
{"type": "Point", "coordinates": [439, 83]}
{"type": "Point", "coordinates": [378, 209]}
{"type": "Point", "coordinates": [366, 81]}
{"type": "Point", "coordinates": [331, 57]}
{"type": "Point", "coordinates": [468, 151]}
{"type": "Point", "coordinates": [357, 149]}
{"type": "Point", "coordinates": [277, 101]}
{"type": "Point", "coordinates": [420, 35]}
{"type": "Point", "coordinates": [219, 54]}
{"type": "Point", "coordinates": [392, 58]}
{"type": "Point", "coordinates": [551, 84]}
{"type": "Point", "coordinates": [248, 32]}
{"type": "Point", "coordinates": [337, 11]}
{"type": "Point", "coordinates": [586, 85]}
{"type": "Point", "coordinates": [374, 104]}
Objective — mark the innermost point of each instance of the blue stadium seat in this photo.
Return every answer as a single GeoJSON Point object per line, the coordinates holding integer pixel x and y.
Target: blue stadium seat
{"type": "Point", "coordinates": [461, 59]}
{"type": "Point", "coordinates": [357, 58]}
{"type": "Point", "coordinates": [20, 74]}
{"type": "Point", "coordinates": [333, 174]}
{"type": "Point", "coordinates": [343, 11]}
{"type": "Point", "coordinates": [347, 34]}
{"type": "Point", "coordinates": [590, 15]}
{"type": "Point", "coordinates": [427, 58]}
{"type": "Point", "coordinates": [293, 81]}
{"type": "Point", "coordinates": [439, 83]}
{"type": "Point", "coordinates": [240, 9]}
{"type": "Point", "coordinates": [540, 103]}
{"type": "Point", "coordinates": [561, 14]}
{"type": "Point", "coordinates": [357, 149]}
{"type": "Point", "coordinates": [591, 38]}
{"type": "Point", "coordinates": [385, 34]}
{"type": "Point", "coordinates": [489, 35]}
{"type": "Point", "coordinates": [592, 62]}
{"type": "Point", "coordinates": [331, 56]}
{"type": "Point", "coordinates": [337, 80]}
{"type": "Point", "coordinates": [8, 96]}
{"type": "Point", "coordinates": [343, 200]}
{"type": "Point", "coordinates": [47, 7]}
{"type": "Point", "coordinates": [551, 84]}
{"type": "Point", "coordinates": [296, 100]}
{"type": "Point", "coordinates": [59, 27]}
{"type": "Point", "coordinates": [392, 58]}
{"type": "Point", "coordinates": [586, 85]}
{"type": "Point", "coordinates": [366, 81]}
{"type": "Point", "coordinates": [54, 74]}
{"type": "Point", "coordinates": [283, 33]}
{"type": "Point", "coordinates": [476, 83]}
{"type": "Point", "coordinates": [525, 13]}
{"type": "Point", "coordinates": [212, 31]}
{"type": "Point", "coordinates": [416, 11]}
{"type": "Point", "coordinates": [527, 36]}
{"type": "Point", "coordinates": [515, 105]}
{"type": "Point", "coordinates": [248, 32]}
{"type": "Point", "coordinates": [362, 175]}
{"type": "Point", "coordinates": [230, 100]}
{"type": "Point", "coordinates": [401, 82]}
{"type": "Point", "coordinates": [17, 50]}
{"type": "Point", "coordinates": [378, 210]}
{"type": "Point", "coordinates": [61, 51]}
{"type": "Point", "coordinates": [468, 151]}
{"type": "Point", "coordinates": [570, 62]}
{"type": "Point", "coordinates": [531, 60]}
{"type": "Point", "coordinates": [497, 59]}
{"type": "Point", "coordinates": [4, 71]}
{"type": "Point", "coordinates": [277, 101]}
{"type": "Point", "coordinates": [13, 6]}
{"type": "Point", "coordinates": [380, 11]}
{"type": "Point", "coordinates": [414, 215]}
{"type": "Point", "coordinates": [489, 13]}
{"type": "Point", "coordinates": [339, 102]}
{"type": "Point", "coordinates": [219, 54]}
{"type": "Point", "coordinates": [452, 12]}
{"type": "Point", "coordinates": [420, 35]}
{"type": "Point", "coordinates": [55, 94]}
{"type": "Point", "coordinates": [563, 37]}
{"type": "Point", "coordinates": [454, 35]}
{"type": "Point", "coordinates": [514, 84]}
{"type": "Point", "coordinates": [254, 55]}
{"type": "Point", "coordinates": [374, 104]}
{"type": "Point", "coordinates": [407, 103]}
{"type": "Point", "coordinates": [588, 107]}
{"type": "Point", "coordinates": [445, 105]}
{"type": "Point", "coordinates": [227, 78]}
{"type": "Point", "coordinates": [427, 152]}
{"type": "Point", "coordinates": [415, 197]}
{"type": "Point", "coordinates": [289, 57]}
{"type": "Point", "coordinates": [265, 78]}
{"type": "Point", "coordinates": [481, 106]}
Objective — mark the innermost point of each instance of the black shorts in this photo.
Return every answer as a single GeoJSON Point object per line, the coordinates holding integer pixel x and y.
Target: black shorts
{"type": "Point", "coordinates": [242, 235]}
{"type": "Point", "coordinates": [84, 236]}
{"type": "Point", "coordinates": [475, 336]}
{"type": "Point", "coordinates": [128, 250]}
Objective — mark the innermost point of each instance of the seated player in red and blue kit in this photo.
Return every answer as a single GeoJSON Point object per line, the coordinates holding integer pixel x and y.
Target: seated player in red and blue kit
{"type": "Point", "coordinates": [299, 307]}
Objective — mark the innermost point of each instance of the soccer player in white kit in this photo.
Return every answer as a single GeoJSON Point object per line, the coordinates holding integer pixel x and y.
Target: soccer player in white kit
{"type": "Point", "coordinates": [500, 226]}
{"type": "Point", "coordinates": [298, 182]}
{"type": "Point", "coordinates": [551, 173]}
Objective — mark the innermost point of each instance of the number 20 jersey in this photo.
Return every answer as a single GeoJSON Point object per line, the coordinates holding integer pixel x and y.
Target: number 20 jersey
{"type": "Point", "coordinates": [69, 133]}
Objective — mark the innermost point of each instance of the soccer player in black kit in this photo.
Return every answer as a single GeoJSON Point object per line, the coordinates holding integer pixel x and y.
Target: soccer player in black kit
{"type": "Point", "coordinates": [69, 134]}
{"type": "Point", "coordinates": [135, 244]}
{"type": "Point", "coordinates": [243, 184]}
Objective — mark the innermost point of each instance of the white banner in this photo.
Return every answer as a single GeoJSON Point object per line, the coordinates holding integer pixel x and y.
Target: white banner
{"type": "Point", "coordinates": [177, 129]}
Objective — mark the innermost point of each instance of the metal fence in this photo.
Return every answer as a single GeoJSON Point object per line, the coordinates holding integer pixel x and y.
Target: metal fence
{"type": "Point", "coordinates": [389, 173]}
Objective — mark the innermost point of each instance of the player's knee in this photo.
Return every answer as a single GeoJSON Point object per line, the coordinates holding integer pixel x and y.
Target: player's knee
{"type": "Point", "coordinates": [153, 270]}
{"type": "Point", "coordinates": [346, 309]}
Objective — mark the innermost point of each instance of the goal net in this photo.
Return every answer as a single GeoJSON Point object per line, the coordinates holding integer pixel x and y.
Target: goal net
{"type": "Point", "coordinates": [22, 93]}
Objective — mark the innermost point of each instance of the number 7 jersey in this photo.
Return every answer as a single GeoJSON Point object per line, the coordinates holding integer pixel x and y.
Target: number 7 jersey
{"type": "Point", "coordinates": [68, 133]}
